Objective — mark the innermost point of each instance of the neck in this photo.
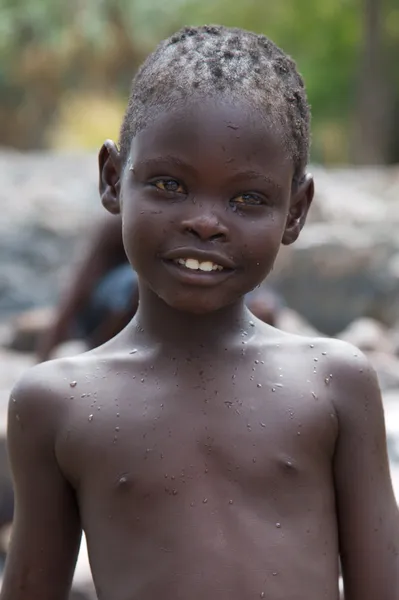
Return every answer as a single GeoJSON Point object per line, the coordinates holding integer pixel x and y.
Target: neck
{"type": "Point", "coordinates": [158, 323]}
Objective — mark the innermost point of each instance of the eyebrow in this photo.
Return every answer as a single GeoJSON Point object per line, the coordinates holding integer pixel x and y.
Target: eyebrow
{"type": "Point", "coordinates": [156, 160]}
{"type": "Point", "coordinates": [248, 174]}
{"type": "Point", "coordinates": [255, 175]}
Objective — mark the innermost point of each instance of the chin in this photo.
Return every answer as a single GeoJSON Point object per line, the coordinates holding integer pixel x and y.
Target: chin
{"type": "Point", "coordinates": [195, 304]}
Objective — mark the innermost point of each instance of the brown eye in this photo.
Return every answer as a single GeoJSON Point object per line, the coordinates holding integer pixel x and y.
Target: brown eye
{"type": "Point", "coordinates": [248, 200]}
{"type": "Point", "coordinates": [169, 185]}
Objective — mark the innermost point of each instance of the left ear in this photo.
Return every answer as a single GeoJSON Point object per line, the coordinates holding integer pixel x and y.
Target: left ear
{"type": "Point", "coordinates": [301, 199]}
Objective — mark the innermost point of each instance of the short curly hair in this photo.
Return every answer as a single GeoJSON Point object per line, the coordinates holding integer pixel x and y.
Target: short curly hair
{"type": "Point", "coordinates": [213, 59]}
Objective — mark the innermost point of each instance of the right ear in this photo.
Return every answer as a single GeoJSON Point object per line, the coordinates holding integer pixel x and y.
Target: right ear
{"type": "Point", "coordinates": [109, 164]}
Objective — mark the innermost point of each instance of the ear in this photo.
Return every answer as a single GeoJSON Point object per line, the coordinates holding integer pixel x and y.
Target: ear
{"type": "Point", "coordinates": [110, 171]}
{"type": "Point", "coordinates": [301, 199]}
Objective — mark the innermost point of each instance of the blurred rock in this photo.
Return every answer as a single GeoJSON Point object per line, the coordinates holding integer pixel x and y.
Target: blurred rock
{"type": "Point", "coordinates": [27, 327]}
{"type": "Point", "coordinates": [290, 321]}
{"type": "Point", "coordinates": [369, 335]}
{"type": "Point", "coordinates": [71, 348]}
{"type": "Point", "coordinates": [387, 368]}
{"type": "Point", "coordinates": [345, 264]}
{"type": "Point", "coordinates": [395, 338]}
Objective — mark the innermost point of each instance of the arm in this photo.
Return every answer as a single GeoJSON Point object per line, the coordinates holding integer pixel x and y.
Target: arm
{"type": "Point", "coordinates": [368, 516]}
{"type": "Point", "coordinates": [104, 250]}
{"type": "Point", "coordinates": [46, 530]}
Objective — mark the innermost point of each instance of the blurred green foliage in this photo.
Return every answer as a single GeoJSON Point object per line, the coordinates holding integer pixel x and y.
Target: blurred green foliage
{"type": "Point", "coordinates": [48, 48]}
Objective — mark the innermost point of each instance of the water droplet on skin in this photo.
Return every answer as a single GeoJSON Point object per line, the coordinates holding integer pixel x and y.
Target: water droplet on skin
{"type": "Point", "coordinates": [192, 503]}
{"type": "Point", "coordinates": [142, 380]}
{"type": "Point", "coordinates": [230, 501]}
{"type": "Point", "coordinates": [273, 389]}
{"type": "Point", "coordinates": [256, 362]}
{"type": "Point", "coordinates": [278, 525]}
{"type": "Point", "coordinates": [327, 381]}
{"type": "Point", "coordinates": [298, 433]}
{"type": "Point", "coordinates": [316, 360]}
{"type": "Point", "coordinates": [288, 464]}
{"type": "Point", "coordinates": [262, 424]}
{"type": "Point", "coordinates": [174, 492]}
{"type": "Point", "coordinates": [314, 395]}
{"type": "Point", "coordinates": [73, 383]}
{"type": "Point", "coordinates": [18, 418]}
{"type": "Point", "coordinates": [274, 573]}
{"type": "Point", "coordinates": [254, 460]}
{"type": "Point", "coordinates": [117, 428]}
{"type": "Point", "coordinates": [90, 417]}
{"type": "Point", "coordinates": [324, 353]}
{"type": "Point", "coordinates": [262, 594]}
{"type": "Point", "coordinates": [117, 414]}
{"type": "Point", "coordinates": [70, 397]}
{"type": "Point", "coordinates": [123, 480]}
{"type": "Point", "coordinates": [259, 385]}
{"type": "Point", "coordinates": [311, 346]}
{"type": "Point", "coordinates": [252, 324]}
{"type": "Point", "coordinates": [205, 500]}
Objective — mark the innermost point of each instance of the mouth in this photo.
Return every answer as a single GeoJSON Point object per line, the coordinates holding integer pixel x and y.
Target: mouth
{"type": "Point", "coordinates": [194, 271]}
{"type": "Point", "coordinates": [206, 266]}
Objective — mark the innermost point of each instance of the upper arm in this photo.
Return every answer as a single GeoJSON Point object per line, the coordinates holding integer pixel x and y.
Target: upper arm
{"type": "Point", "coordinates": [368, 517]}
{"type": "Point", "coordinates": [46, 529]}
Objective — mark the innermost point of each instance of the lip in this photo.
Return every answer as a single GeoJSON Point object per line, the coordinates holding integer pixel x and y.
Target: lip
{"type": "Point", "coordinates": [201, 256]}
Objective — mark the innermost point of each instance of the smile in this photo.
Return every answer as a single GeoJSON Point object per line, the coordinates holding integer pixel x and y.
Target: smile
{"type": "Point", "coordinates": [195, 265]}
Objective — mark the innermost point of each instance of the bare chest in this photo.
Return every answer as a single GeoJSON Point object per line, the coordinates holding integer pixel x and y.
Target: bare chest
{"type": "Point", "coordinates": [156, 435]}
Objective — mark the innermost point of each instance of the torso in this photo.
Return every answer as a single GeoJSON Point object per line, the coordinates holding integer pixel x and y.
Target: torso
{"type": "Point", "coordinates": [205, 478]}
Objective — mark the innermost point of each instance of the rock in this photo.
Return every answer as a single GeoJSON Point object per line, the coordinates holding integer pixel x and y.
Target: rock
{"type": "Point", "coordinates": [368, 335]}
{"type": "Point", "coordinates": [290, 321]}
{"type": "Point", "coordinates": [71, 348]}
{"type": "Point", "coordinates": [394, 333]}
{"type": "Point", "coordinates": [345, 264]}
{"type": "Point", "coordinates": [387, 368]}
{"type": "Point", "coordinates": [27, 328]}
{"type": "Point", "coordinates": [391, 411]}
{"type": "Point", "coordinates": [336, 273]}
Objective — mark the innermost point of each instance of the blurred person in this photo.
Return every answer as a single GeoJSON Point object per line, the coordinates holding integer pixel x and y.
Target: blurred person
{"type": "Point", "coordinates": [205, 453]}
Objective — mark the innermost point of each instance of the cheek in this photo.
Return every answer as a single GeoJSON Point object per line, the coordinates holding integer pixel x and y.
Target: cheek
{"type": "Point", "coordinates": [138, 234]}
{"type": "Point", "coordinates": [264, 241]}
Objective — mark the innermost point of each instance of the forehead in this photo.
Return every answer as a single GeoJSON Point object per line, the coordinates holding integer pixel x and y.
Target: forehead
{"type": "Point", "coordinates": [206, 133]}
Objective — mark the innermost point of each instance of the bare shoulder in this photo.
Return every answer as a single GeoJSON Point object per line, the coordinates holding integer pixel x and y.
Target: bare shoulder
{"type": "Point", "coordinates": [350, 375]}
{"type": "Point", "coordinates": [346, 374]}
{"type": "Point", "coordinates": [41, 395]}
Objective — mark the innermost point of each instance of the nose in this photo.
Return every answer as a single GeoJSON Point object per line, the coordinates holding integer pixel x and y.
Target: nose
{"type": "Point", "coordinates": [205, 225]}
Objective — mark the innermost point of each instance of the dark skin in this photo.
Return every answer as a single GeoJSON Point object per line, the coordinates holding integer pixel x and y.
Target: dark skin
{"type": "Point", "coordinates": [205, 453]}
{"type": "Point", "coordinates": [105, 251]}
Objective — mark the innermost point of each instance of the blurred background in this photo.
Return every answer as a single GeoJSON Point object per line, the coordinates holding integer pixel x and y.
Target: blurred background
{"type": "Point", "coordinates": [65, 73]}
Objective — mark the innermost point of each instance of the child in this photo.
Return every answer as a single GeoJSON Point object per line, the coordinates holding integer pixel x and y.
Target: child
{"type": "Point", "coordinates": [103, 294]}
{"type": "Point", "coordinates": [204, 453]}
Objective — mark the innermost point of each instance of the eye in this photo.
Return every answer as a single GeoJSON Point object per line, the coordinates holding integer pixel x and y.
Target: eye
{"type": "Point", "coordinates": [248, 199]}
{"type": "Point", "coordinates": [169, 185]}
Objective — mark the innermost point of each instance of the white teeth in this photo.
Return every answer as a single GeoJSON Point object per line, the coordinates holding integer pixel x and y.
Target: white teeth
{"type": "Point", "coordinates": [192, 263]}
{"type": "Point", "coordinates": [206, 266]}
{"type": "Point", "coordinates": [195, 265]}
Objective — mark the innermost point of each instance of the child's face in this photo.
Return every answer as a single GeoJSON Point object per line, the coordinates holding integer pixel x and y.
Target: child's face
{"type": "Point", "coordinates": [205, 201]}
